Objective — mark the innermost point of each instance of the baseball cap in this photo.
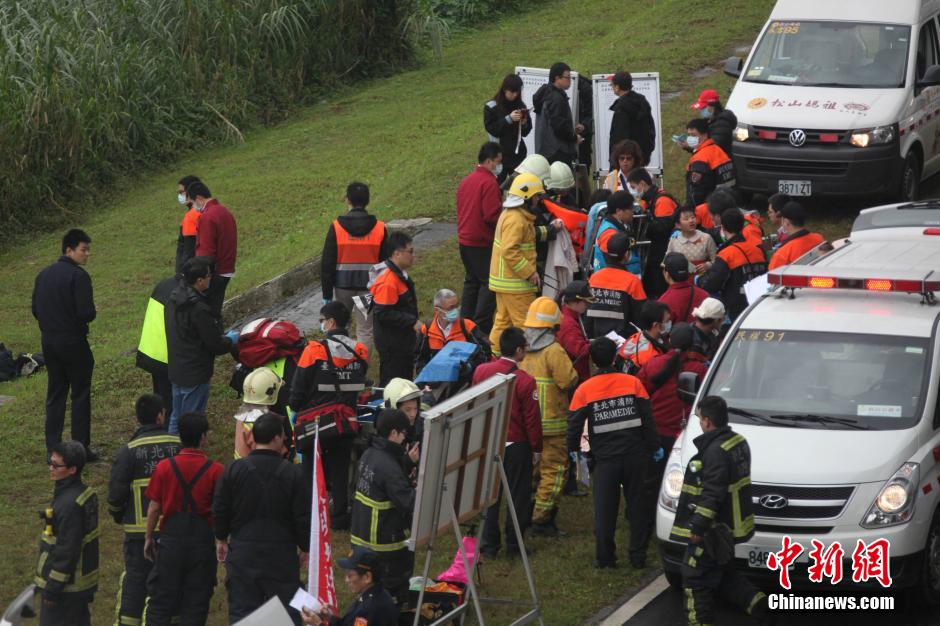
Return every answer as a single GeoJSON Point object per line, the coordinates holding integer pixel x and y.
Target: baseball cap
{"type": "Point", "coordinates": [709, 309]}
{"type": "Point", "coordinates": [362, 559]}
{"type": "Point", "coordinates": [618, 245]}
{"type": "Point", "coordinates": [578, 289]}
{"type": "Point", "coordinates": [707, 96]}
{"type": "Point", "coordinates": [676, 265]}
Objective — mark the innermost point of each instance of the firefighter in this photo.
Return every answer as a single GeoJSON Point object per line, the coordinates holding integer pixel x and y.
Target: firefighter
{"type": "Point", "coordinates": [395, 311]}
{"type": "Point", "coordinates": [405, 396]}
{"type": "Point", "coordinates": [661, 209]}
{"type": "Point", "coordinates": [447, 326]}
{"type": "Point", "coordinates": [354, 243]}
{"type": "Point", "coordinates": [180, 493]}
{"type": "Point", "coordinates": [67, 573]}
{"type": "Point", "coordinates": [261, 518]}
{"type": "Point", "coordinates": [650, 340]}
{"type": "Point", "coordinates": [152, 349]}
{"type": "Point", "coordinates": [260, 392]}
{"type": "Point", "coordinates": [713, 515]}
{"type": "Point", "coordinates": [622, 437]}
{"type": "Point", "coordinates": [548, 363]}
{"type": "Point", "coordinates": [709, 166]}
{"type": "Point", "coordinates": [127, 504]}
{"type": "Point", "coordinates": [384, 503]}
{"type": "Point", "coordinates": [618, 294]}
{"type": "Point", "coordinates": [514, 277]}
{"type": "Point", "coordinates": [330, 375]}
{"type": "Point", "coordinates": [738, 261]}
{"type": "Point", "coordinates": [798, 240]}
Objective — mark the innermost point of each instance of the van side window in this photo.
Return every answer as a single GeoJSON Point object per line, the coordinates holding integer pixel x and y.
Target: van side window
{"type": "Point", "coordinates": [926, 48]}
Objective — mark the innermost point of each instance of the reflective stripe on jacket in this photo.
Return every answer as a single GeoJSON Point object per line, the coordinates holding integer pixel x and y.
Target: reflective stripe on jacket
{"type": "Point", "coordinates": [513, 258]}
{"type": "Point", "coordinates": [68, 546]}
{"type": "Point", "coordinates": [554, 376]}
{"type": "Point", "coordinates": [355, 255]}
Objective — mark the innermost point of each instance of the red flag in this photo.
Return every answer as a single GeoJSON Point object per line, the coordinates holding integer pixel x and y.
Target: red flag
{"type": "Point", "coordinates": [320, 574]}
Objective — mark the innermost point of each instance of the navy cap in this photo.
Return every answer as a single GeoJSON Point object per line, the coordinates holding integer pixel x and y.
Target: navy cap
{"type": "Point", "coordinates": [361, 558]}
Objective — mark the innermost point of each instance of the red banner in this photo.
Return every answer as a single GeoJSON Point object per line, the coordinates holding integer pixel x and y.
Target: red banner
{"type": "Point", "coordinates": [320, 574]}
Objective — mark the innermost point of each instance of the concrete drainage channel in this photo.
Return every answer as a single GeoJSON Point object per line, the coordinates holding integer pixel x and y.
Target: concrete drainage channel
{"type": "Point", "coordinates": [295, 294]}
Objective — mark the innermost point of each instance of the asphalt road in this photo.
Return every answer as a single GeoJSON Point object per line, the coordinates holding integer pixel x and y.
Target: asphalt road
{"type": "Point", "coordinates": [668, 609]}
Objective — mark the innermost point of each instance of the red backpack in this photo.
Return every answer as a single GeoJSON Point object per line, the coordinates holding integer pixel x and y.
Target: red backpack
{"type": "Point", "coordinates": [265, 340]}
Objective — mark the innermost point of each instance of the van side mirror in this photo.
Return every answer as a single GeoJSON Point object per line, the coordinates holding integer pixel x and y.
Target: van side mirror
{"type": "Point", "coordinates": [931, 77]}
{"type": "Point", "coordinates": [688, 387]}
{"type": "Point", "coordinates": [733, 66]}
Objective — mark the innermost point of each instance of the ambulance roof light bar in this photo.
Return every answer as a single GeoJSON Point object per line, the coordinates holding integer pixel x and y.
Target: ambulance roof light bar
{"type": "Point", "coordinates": [790, 277]}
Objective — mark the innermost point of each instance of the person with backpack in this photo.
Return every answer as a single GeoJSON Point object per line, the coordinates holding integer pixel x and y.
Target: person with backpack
{"type": "Point", "coordinates": [738, 261]}
{"type": "Point", "coordinates": [447, 326]}
{"type": "Point", "coordinates": [272, 344]}
{"type": "Point", "coordinates": [261, 517]}
{"type": "Point", "coordinates": [130, 475]}
{"type": "Point", "coordinates": [330, 375]}
{"type": "Point", "coordinates": [180, 492]}
{"type": "Point", "coordinates": [395, 310]}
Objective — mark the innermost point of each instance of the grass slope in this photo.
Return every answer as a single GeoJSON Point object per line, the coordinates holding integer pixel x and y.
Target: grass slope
{"type": "Point", "coordinates": [411, 137]}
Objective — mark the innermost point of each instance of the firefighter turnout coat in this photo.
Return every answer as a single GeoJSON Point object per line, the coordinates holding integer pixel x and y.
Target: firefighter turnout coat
{"type": "Point", "coordinates": [513, 258]}
{"type": "Point", "coordinates": [68, 547]}
{"type": "Point", "coordinates": [384, 500]}
{"type": "Point", "coordinates": [130, 476]}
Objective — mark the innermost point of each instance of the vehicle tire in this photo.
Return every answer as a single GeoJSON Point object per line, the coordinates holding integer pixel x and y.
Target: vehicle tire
{"type": "Point", "coordinates": [926, 593]}
{"type": "Point", "coordinates": [674, 579]}
{"type": "Point", "coordinates": [909, 186]}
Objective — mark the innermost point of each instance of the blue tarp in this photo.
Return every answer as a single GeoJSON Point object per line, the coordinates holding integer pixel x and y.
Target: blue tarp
{"type": "Point", "coordinates": [445, 366]}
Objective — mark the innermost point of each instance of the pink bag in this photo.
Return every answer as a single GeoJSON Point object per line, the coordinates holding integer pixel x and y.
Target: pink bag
{"type": "Point", "coordinates": [456, 572]}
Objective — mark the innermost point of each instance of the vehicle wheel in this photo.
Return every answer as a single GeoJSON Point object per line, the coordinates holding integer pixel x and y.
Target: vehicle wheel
{"type": "Point", "coordinates": [927, 591]}
{"type": "Point", "coordinates": [674, 579]}
{"type": "Point", "coordinates": [910, 178]}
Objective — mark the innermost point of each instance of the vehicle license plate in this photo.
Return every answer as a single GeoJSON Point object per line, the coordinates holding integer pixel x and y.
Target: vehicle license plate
{"type": "Point", "coordinates": [795, 187]}
{"type": "Point", "coordinates": [757, 557]}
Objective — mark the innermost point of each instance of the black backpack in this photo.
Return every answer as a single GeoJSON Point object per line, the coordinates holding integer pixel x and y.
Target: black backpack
{"type": "Point", "coordinates": [8, 368]}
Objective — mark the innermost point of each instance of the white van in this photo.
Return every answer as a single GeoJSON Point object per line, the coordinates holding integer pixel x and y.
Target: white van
{"type": "Point", "coordinates": [840, 99]}
{"type": "Point", "coordinates": [833, 380]}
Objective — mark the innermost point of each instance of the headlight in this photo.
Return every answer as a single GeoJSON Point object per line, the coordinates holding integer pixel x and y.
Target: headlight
{"type": "Point", "coordinates": [741, 133]}
{"type": "Point", "coordinates": [895, 502]}
{"type": "Point", "coordinates": [672, 487]}
{"type": "Point", "coordinates": [873, 137]}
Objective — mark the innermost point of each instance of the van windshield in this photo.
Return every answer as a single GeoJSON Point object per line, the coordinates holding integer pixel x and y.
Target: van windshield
{"type": "Point", "coordinates": [822, 380]}
{"type": "Point", "coordinates": [831, 54]}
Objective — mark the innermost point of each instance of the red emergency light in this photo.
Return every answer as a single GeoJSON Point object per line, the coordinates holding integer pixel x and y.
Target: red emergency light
{"type": "Point", "coordinates": [792, 278]}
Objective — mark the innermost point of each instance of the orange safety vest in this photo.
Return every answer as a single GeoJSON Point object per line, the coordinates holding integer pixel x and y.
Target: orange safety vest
{"type": "Point", "coordinates": [639, 350]}
{"type": "Point", "coordinates": [753, 231]}
{"type": "Point", "coordinates": [703, 216]}
{"type": "Point", "coordinates": [794, 247]}
{"type": "Point", "coordinates": [664, 206]}
{"type": "Point", "coordinates": [355, 255]}
{"type": "Point", "coordinates": [190, 224]}
{"type": "Point", "coordinates": [575, 222]}
{"type": "Point", "coordinates": [436, 338]}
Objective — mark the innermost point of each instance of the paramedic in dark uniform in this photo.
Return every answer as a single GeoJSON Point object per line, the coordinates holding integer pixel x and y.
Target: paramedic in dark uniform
{"type": "Point", "coordinates": [373, 605]}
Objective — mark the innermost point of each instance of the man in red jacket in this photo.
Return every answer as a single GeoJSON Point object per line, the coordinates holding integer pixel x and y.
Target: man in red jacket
{"type": "Point", "coordinates": [524, 441]}
{"type": "Point", "coordinates": [479, 202]}
{"type": "Point", "coordinates": [682, 295]}
{"type": "Point", "coordinates": [217, 237]}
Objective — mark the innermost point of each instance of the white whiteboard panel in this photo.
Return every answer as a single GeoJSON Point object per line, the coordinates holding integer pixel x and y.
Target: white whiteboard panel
{"type": "Point", "coordinates": [645, 84]}
{"type": "Point", "coordinates": [532, 79]}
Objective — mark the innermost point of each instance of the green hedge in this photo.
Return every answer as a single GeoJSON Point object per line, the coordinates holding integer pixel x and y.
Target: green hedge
{"type": "Point", "coordinates": [94, 88]}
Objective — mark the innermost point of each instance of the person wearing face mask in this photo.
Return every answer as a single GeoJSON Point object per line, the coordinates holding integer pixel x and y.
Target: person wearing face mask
{"type": "Point", "coordinates": [506, 120]}
{"type": "Point", "coordinates": [479, 205]}
{"type": "Point", "coordinates": [446, 326]}
{"type": "Point", "coordinates": [330, 374]}
{"type": "Point", "coordinates": [632, 119]}
{"type": "Point", "coordinates": [651, 338]}
{"type": "Point", "coordinates": [661, 208]}
{"type": "Point", "coordinates": [618, 294]}
{"type": "Point", "coordinates": [709, 166]}
{"type": "Point", "coordinates": [217, 237]}
{"type": "Point", "coordinates": [737, 262]}
{"type": "Point", "coordinates": [721, 121]}
{"type": "Point", "coordinates": [189, 226]}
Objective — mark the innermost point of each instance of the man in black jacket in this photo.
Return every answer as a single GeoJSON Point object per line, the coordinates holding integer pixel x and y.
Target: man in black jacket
{"type": "Point", "coordinates": [261, 517]}
{"type": "Point", "coordinates": [152, 350]}
{"type": "Point", "coordinates": [354, 243]}
{"type": "Point", "coordinates": [556, 136]}
{"type": "Point", "coordinates": [395, 311]}
{"type": "Point", "coordinates": [64, 305]}
{"type": "Point", "coordinates": [67, 571]}
{"type": "Point", "coordinates": [127, 504]}
{"type": "Point", "coordinates": [194, 338]}
{"type": "Point", "coordinates": [633, 117]}
{"type": "Point", "coordinates": [385, 502]}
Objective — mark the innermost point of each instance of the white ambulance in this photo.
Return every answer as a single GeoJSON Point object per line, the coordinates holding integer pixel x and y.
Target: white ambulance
{"type": "Point", "coordinates": [840, 99]}
{"type": "Point", "coordinates": [833, 380]}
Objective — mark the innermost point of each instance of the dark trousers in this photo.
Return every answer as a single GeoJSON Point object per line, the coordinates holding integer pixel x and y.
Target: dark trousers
{"type": "Point", "coordinates": [69, 364]}
{"type": "Point", "coordinates": [67, 611]}
{"type": "Point", "coordinates": [181, 582]}
{"type": "Point", "coordinates": [255, 573]}
{"type": "Point", "coordinates": [625, 472]}
{"type": "Point", "coordinates": [702, 578]}
{"type": "Point", "coordinates": [396, 569]}
{"type": "Point", "coordinates": [395, 364]}
{"type": "Point", "coordinates": [132, 589]}
{"type": "Point", "coordinates": [654, 478]}
{"type": "Point", "coordinates": [163, 388]}
{"type": "Point", "coordinates": [336, 458]}
{"type": "Point", "coordinates": [215, 294]}
{"type": "Point", "coordinates": [477, 302]}
{"type": "Point", "coordinates": [517, 461]}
